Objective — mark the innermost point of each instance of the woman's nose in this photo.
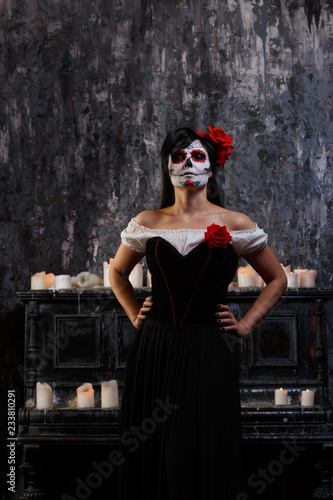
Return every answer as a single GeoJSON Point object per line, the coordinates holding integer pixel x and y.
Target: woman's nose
{"type": "Point", "coordinates": [188, 162]}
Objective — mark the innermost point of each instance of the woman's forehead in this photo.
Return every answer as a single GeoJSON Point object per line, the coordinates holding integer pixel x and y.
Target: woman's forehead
{"type": "Point", "coordinates": [193, 145]}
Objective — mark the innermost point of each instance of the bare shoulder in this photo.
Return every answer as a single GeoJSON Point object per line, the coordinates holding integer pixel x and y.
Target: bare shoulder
{"type": "Point", "coordinates": [236, 221]}
{"type": "Point", "coordinates": [148, 218]}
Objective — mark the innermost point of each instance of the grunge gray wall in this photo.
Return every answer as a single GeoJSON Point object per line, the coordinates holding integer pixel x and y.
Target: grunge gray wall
{"type": "Point", "coordinates": [90, 89]}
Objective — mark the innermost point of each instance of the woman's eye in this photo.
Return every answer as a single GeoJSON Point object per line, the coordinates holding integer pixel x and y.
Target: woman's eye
{"type": "Point", "coordinates": [178, 157]}
{"type": "Point", "coordinates": [198, 156]}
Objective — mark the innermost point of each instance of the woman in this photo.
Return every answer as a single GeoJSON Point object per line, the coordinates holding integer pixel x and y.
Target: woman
{"type": "Point", "coordinates": [181, 429]}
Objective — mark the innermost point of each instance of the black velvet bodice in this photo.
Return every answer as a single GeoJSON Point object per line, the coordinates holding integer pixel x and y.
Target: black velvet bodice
{"type": "Point", "coordinates": [186, 290]}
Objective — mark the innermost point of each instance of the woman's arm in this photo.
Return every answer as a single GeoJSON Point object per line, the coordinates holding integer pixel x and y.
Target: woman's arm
{"type": "Point", "coordinates": [266, 264]}
{"type": "Point", "coordinates": [120, 269]}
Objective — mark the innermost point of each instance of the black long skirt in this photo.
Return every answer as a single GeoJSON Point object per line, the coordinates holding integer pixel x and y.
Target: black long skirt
{"type": "Point", "coordinates": [180, 424]}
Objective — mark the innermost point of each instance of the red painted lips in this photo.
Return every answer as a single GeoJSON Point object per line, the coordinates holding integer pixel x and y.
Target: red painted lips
{"type": "Point", "coordinates": [189, 182]}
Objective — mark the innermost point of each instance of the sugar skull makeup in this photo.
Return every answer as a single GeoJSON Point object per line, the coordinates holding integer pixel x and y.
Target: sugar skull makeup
{"type": "Point", "coordinates": [189, 166]}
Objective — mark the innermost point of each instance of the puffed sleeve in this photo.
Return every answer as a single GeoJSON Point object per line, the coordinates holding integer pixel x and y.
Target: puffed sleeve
{"type": "Point", "coordinates": [248, 240]}
{"type": "Point", "coordinates": [134, 237]}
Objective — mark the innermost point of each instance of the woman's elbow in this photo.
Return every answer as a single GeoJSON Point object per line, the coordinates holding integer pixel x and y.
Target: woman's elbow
{"type": "Point", "coordinates": [118, 279]}
{"type": "Point", "coordinates": [280, 281]}
{"type": "Point", "coordinates": [114, 275]}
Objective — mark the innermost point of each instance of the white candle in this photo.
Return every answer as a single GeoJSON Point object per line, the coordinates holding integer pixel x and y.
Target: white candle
{"type": "Point", "coordinates": [307, 398]}
{"type": "Point", "coordinates": [38, 281]}
{"type": "Point", "coordinates": [148, 278]}
{"type": "Point", "coordinates": [299, 273]}
{"type": "Point", "coordinates": [308, 279]}
{"type": "Point", "coordinates": [44, 396]}
{"type": "Point", "coordinates": [50, 280]}
{"type": "Point", "coordinates": [281, 396]}
{"type": "Point", "coordinates": [85, 396]}
{"type": "Point", "coordinates": [106, 271]}
{"type": "Point", "coordinates": [292, 280]}
{"type": "Point", "coordinates": [136, 276]}
{"type": "Point", "coordinates": [109, 396]}
{"type": "Point", "coordinates": [245, 276]}
{"type": "Point", "coordinates": [257, 280]}
{"type": "Point", "coordinates": [63, 281]}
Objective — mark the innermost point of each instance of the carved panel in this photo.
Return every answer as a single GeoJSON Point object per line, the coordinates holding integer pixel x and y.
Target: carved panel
{"type": "Point", "coordinates": [275, 342]}
{"type": "Point", "coordinates": [77, 341]}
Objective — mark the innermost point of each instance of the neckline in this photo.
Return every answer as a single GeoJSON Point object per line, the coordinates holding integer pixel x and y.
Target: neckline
{"type": "Point", "coordinates": [186, 229]}
{"type": "Point", "coordinates": [170, 245]}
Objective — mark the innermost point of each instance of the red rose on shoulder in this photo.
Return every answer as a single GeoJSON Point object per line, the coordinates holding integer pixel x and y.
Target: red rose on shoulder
{"type": "Point", "coordinates": [222, 143]}
{"type": "Point", "coordinates": [217, 236]}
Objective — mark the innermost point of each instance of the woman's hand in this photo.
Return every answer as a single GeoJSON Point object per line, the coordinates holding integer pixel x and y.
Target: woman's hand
{"type": "Point", "coordinates": [228, 322]}
{"type": "Point", "coordinates": [140, 317]}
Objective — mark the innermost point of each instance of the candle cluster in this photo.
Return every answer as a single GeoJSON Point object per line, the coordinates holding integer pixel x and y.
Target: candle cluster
{"type": "Point", "coordinates": [85, 395]}
{"type": "Point", "coordinates": [247, 276]}
{"type": "Point", "coordinates": [43, 281]}
{"type": "Point", "coordinates": [281, 397]}
{"type": "Point", "coordinates": [301, 278]}
{"type": "Point", "coordinates": [135, 278]}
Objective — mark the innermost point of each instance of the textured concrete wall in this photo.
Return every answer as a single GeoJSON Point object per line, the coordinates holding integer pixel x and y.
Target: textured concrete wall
{"type": "Point", "coordinates": [90, 88]}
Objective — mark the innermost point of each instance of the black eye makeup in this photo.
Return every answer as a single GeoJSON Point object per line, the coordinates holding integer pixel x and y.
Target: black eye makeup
{"type": "Point", "coordinates": [198, 155]}
{"type": "Point", "coordinates": [178, 156]}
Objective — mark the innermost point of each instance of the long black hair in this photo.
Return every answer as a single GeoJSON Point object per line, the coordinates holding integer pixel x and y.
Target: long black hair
{"type": "Point", "coordinates": [182, 138]}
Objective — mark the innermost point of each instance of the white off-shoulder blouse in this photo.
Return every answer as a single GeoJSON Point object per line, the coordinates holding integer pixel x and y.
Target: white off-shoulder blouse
{"type": "Point", "coordinates": [244, 241]}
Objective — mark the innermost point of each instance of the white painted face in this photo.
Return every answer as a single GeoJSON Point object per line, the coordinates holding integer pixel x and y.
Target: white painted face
{"type": "Point", "coordinates": [189, 166]}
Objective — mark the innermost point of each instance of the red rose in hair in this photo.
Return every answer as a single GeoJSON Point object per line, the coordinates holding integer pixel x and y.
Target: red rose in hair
{"type": "Point", "coordinates": [222, 143]}
{"type": "Point", "coordinates": [217, 236]}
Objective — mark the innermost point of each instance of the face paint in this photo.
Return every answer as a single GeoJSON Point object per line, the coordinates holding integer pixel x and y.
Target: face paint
{"type": "Point", "coordinates": [189, 166]}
